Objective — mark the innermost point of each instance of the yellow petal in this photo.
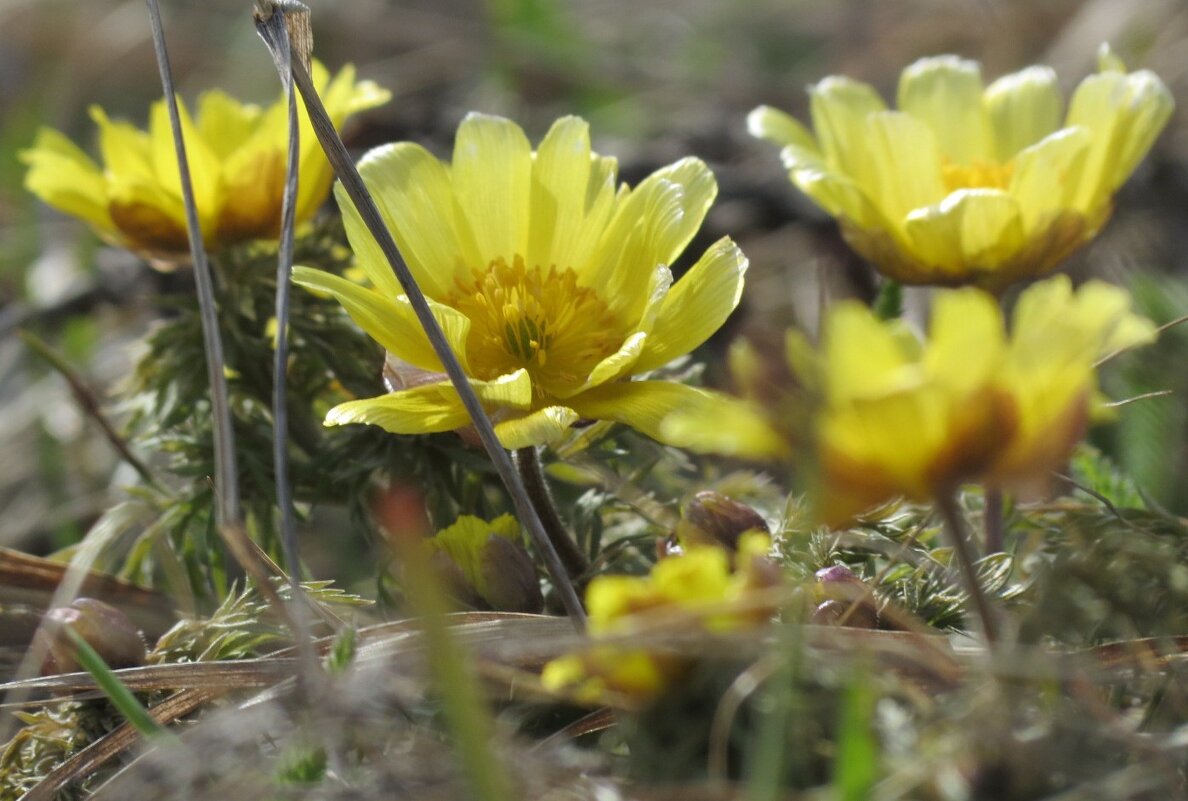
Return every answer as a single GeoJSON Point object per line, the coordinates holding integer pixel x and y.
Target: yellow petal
{"type": "Point", "coordinates": [1054, 325]}
{"type": "Point", "coordinates": [862, 355]}
{"type": "Point", "coordinates": [837, 194]}
{"type": "Point", "coordinates": [946, 93]}
{"type": "Point", "coordinates": [391, 323]}
{"type": "Point", "coordinates": [1148, 107]}
{"type": "Point", "coordinates": [839, 108]}
{"type": "Point", "coordinates": [698, 190]}
{"type": "Point", "coordinates": [966, 340]}
{"type": "Point", "coordinates": [724, 426]}
{"type": "Point", "coordinates": [421, 410]}
{"type": "Point", "coordinates": [203, 164]}
{"type": "Point", "coordinates": [1124, 113]}
{"type": "Point", "coordinates": [342, 97]}
{"type": "Point", "coordinates": [253, 188]}
{"type": "Point", "coordinates": [602, 200]}
{"type": "Point", "coordinates": [560, 176]}
{"type": "Point", "coordinates": [224, 123]}
{"type": "Point", "coordinates": [147, 216]}
{"type": "Point", "coordinates": [1024, 107]}
{"type": "Point", "coordinates": [492, 176]}
{"type": "Point", "coordinates": [696, 306]}
{"type": "Point", "coordinates": [775, 126]}
{"type": "Point", "coordinates": [432, 408]}
{"type": "Point", "coordinates": [906, 165]}
{"type": "Point", "coordinates": [1045, 176]}
{"type": "Point", "coordinates": [1108, 60]}
{"type": "Point", "coordinates": [643, 405]}
{"type": "Point", "coordinates": [124, 149]}
{"type": "Point", "coordinates": [650, 227]}
{"type": "Point", "coordinates": [541, 427]}
{"type": "Point", "coordinates": [67, 179]}
{"type": "Point", "coordinates": [416, 199]}
{"type": "Point", "coordinates": [972, 230]}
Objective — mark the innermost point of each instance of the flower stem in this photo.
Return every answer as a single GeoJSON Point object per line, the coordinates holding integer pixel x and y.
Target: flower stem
{"type": "Point", "coordinates": [992, 521]}
{"type": "Point", "coordinates": [532, 474]}
{"type": "Point", "coordinates": [946, 504]}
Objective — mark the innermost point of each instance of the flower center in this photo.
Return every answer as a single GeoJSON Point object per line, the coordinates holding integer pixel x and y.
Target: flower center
{"type": "Point", "coordinates": [977, 175]}
{"type": "Point", "coordinates": [543, 321]}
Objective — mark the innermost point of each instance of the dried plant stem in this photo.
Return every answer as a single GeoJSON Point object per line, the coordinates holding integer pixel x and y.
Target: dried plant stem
{"type": "Point", "coordinates": [226, 479]}
{"type": "Point", "coordinates": [946, 504]}
{"type": "Point", "coordinates": [274, 32]}
{"type": "Point", "coordinates": [345, 170]}
{"type": "Point", "coordinates": [87, 401]}
{"type": "Point", "coordinates": [535, 482]}
{"type": "Point", "coordinates": [992, 519]}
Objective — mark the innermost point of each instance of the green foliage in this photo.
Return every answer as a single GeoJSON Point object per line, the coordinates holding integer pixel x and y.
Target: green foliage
{"type": "Point", "coordinates": [342, 651]}
{"type": "Point", "coordinates": [889, 303]}
{"type": "Point", "coordinates": [1149, 435]}
{"type": "Point", "coordinates": [856, 768]}
{"type": "Point", "coordinates": [1099, 575]}
{"type": "Point", "coordinates": [301, 765]}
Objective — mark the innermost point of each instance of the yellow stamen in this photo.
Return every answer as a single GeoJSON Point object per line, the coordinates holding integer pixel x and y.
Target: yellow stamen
{"type": "Point", "coordinates": [536, 319]}
{"type": "Point", "coordinates": [977, 175]}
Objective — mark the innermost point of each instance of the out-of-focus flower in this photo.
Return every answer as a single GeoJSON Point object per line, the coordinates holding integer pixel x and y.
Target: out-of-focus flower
{"type": "Point", "coordinates": [550, 281]}
{"type": "Point", "coordinates": [483, 564]}
{"type": "Point", "coordinates": [965, 183]}
{"type": "Point", "coordinates": [102, 626]}
{"type": "Point", "coordinates": [899, 416]}
{"type": "Point", "coordinates": [701, 583]}
{"type": "Point", "coordinates": [236, 153]}
{"type": "Point", "coordinates": [712, 518]}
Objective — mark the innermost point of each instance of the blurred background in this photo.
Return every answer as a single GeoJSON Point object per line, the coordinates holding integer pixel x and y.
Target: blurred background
{"type": "Point", "coordinates": [657, 81]}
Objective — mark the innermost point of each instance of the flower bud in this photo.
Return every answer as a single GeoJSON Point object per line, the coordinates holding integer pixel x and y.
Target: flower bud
{"type": "Point", "coordinates": [454, 581]}
{"type": "Point", "coordinates": [484, 565]}
{"type": "Point", "coordinates": [844, 613]}
{"type": "Point", "coordinates": [836, 573]}
{"type": "Point", "coordinates": [509, 577]}
{"type": "Point", "coordinates": [102, 626]}
{"type": "Point", "coordinates": [714, 519]}
{"type": "Point", "coordinates": [848, 601]}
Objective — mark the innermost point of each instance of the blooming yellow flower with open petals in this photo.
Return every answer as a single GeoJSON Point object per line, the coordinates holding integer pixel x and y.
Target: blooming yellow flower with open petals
{"type": "Point", "coordinates": [901, 416]}
{"type": "Point", "coordinates": [701, 584]}
{"type": "Point", "coordinates": [236, 153]}
{"type": "Point", "coordinates": [550, 281]}
{"type": "Point", "coordinates": [966, 184]}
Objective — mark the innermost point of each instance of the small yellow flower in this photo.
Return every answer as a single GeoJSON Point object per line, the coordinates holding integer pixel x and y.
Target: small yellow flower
{"type": "Point", "coordinates": [236, 154]}
{"type": "Point", "coordinates": [898, 416]}
{"type": "Point", "coordinates": [701, 582]}
{"type": "Point", "coordinates": [550, 281]}
{"type": "Point", "coordinates": [965, 184]}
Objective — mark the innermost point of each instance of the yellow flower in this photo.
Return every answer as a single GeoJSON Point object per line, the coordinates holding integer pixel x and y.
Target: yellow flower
{"type": "Point", "coordinates": [898, 416]}
{"type": "Point", "coordinates": [236, 154]}
{"type": "Point", "coordinates": [700, 582]}
{"type": "Point", "coordinates": [1057, 338]}
{"type": "Point", "coordinates": [551, 282]}
{"type": "Point", "coordinates": [965, 184]}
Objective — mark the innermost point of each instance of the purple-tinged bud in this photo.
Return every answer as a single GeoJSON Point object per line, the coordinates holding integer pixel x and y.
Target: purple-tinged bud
{"type": "Point", "coordinates": [833, 573]}
{"type": "Point", "coordinates": [848, 600]}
